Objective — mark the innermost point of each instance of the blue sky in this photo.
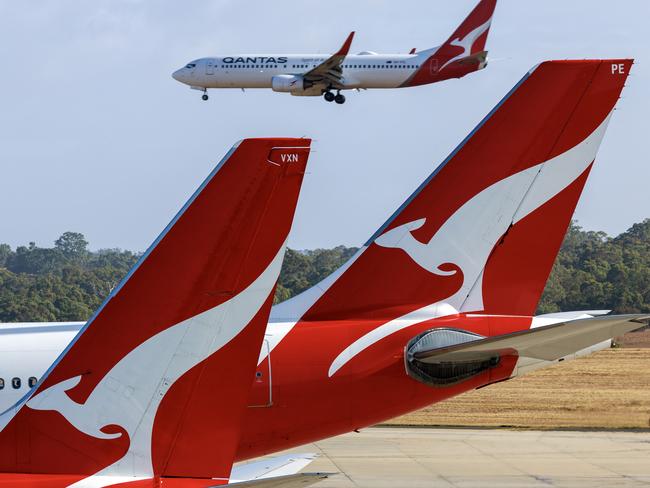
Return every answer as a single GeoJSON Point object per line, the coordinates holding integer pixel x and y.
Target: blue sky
{"type": "Point", "coordinates": [96, 137]}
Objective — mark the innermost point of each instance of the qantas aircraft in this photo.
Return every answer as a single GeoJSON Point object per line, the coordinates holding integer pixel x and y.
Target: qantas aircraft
{"type": "Point", "coordinates": [132, 398]}
{"type": "Point", "coordinates": [317, 74]}
{"type": "Point", "coordinates": [439, 301]}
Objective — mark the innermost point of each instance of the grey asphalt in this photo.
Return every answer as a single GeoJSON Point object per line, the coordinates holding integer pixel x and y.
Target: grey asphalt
{"type": "Point", "coordinates": [477, 458]}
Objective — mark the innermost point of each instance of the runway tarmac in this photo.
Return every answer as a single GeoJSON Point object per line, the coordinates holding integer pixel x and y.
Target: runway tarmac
{"type": "Point", "coordinates": [477, 458]}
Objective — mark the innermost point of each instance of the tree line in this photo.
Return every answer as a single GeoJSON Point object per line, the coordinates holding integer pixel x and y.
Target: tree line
{"type": "Point", "coordinates": [67, 282]}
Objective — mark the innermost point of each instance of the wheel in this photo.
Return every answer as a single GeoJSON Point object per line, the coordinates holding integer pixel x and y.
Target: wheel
{"type": "Point", "coordinates": [329, 96]}
{"type": "Point", "coordinates": [205, 96]}
{"type": "Point", "coordinates": [339, 99]}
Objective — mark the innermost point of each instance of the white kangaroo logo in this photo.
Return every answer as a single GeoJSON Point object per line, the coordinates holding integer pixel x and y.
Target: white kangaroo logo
{"type": "Point", "coordinates": [131, 392]}
{"type": "Point", "coordinates": [467, 42]}
{"type": "Point", "coordinates": [401, 237]}
{"type": "Point", "coordinates": [467, 238]}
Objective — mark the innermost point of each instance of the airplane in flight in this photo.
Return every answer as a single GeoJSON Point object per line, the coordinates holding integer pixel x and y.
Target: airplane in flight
{"type": "Point", "coordinates": [316, 74]}
{"type": "Point", "coordinates": [438, 302]}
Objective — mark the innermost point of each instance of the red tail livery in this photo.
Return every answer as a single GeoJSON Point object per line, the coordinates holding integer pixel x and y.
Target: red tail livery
{"type": "Point", "coordinates": [463, 260]}
{"type": "Point", "coordinates": [155, 384]}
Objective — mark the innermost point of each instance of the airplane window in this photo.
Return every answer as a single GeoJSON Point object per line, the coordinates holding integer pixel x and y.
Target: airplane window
{"type": "Point", "coordinates": [2, 383]}
{"type": "Point", "coordinates": [32, 381]}
{"type": "Point", "coordinates": [15, 383]}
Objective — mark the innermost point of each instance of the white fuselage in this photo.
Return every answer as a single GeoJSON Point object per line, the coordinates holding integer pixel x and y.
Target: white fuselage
{"type": "Point", "coordinates": [27, 350]}
{"type": "Point", "coordinates": [257, 71]}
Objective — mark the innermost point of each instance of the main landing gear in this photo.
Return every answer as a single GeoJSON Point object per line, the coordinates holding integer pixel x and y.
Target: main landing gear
{"type": "Point", "coordinates": [330, 97]}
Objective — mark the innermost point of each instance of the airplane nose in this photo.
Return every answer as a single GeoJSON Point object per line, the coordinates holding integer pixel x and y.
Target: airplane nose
{"type": "Point", "coordinates": [177, 75]}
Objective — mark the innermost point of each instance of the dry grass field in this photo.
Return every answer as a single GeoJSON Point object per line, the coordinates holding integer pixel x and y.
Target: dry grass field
{"type": "Point", "coordinates": [609, 390]}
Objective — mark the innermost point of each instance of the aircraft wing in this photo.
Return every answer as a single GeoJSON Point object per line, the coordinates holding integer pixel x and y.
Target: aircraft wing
{"type": "Point", "coordinates": [329, 72]}
{"type": "Point", "coordinates": [546, 343]}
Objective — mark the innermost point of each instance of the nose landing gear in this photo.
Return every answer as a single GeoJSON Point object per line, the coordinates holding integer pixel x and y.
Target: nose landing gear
{"type": "Point", "coordinates": [205, 96]}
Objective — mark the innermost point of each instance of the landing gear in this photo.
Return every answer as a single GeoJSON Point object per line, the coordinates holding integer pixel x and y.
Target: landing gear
{"type": "Point", "coordinates": [330, 97]}
{"type": "Point", "coordinates": [205, 96]}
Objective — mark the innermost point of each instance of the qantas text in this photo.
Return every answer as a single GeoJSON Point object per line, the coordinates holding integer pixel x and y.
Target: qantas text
{"type": "Point", "coordinates": [255, 60]}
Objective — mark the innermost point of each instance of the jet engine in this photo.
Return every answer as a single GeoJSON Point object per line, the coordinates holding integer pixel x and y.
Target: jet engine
{"type": "Point", "coordinates": [445, 372]}
{"type": "Point", "coordinates": [289, 83]}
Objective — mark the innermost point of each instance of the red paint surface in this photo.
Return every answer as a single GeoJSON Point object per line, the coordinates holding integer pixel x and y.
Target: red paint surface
{"type": "Point", "coordinates": [219, 245]}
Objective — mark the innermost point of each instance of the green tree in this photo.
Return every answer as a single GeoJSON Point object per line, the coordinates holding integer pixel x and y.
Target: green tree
{"type": "Point", "coordinates": [68, 282]}
{"type": "Point", "coordinates": [72, 245]}
{"type": "Point", "coordinates": [5, 253]}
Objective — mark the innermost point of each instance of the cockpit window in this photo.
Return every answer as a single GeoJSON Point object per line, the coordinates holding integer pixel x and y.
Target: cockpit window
{"type": "Point", "coordinates": [191, 65]}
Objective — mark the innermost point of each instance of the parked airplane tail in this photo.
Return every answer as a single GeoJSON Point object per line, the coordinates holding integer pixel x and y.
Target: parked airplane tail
{"type": "Point", "coordinates": [155, 384]}
{"type": "Point", "coordinates": [482, 232]}
{"type": "Point", "coordinates": [463, 53]}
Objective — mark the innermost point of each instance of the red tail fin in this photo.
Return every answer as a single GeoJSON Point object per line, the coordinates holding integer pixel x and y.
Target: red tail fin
{"type": "Point", "coordinates": [463, 53]}
{"type": "Point", "coordinates": [156, 382]}
{"type": "Point", "coordinates": [482, 232]}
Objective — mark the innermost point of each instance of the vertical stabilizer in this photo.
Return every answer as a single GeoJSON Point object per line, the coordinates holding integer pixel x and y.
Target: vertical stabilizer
{"type": "Point", "coordinates": [156, 383]}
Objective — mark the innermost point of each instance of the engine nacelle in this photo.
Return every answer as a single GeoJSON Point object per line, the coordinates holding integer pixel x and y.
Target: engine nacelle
{"type": "Point", "coordinates": [445, 373]}
{"type": "Point", "coordinates": [288, 83]}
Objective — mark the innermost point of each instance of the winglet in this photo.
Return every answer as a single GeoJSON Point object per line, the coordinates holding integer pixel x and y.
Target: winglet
{"type": "Point", "coordinates": [412, 51]}
{"type": "Point", "coordinates": [345, 48]}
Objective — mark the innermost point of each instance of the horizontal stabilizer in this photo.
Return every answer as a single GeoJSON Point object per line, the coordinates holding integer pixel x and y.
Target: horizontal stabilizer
{"type": "Point", "coordinates": [286, 464]}
{"type": "Point", "coordinates": [299, 480]}
{"type": "Point", "coordinates": [546, 343]}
